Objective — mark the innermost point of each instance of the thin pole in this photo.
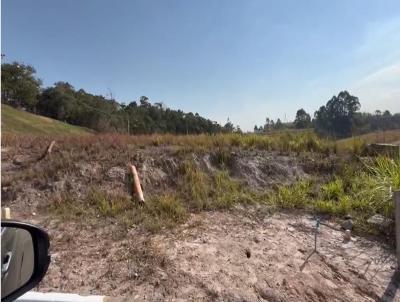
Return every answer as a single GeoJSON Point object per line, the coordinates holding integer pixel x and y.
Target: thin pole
{"type": "Point", "coordinates": [316, 233]}
{"type": "Point", "coordinates": [396, 199]}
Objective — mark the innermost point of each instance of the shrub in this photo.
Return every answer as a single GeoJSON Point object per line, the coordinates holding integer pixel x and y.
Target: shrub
{"type": "Point", "coordinates": [194, 185]}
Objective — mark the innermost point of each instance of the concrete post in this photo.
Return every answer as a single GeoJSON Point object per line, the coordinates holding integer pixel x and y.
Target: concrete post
{"type": "Point", "coordinates": [396, 199]}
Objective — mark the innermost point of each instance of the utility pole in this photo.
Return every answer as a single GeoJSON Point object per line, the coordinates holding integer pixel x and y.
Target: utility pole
{"type": "Point", "coordinates": [128, 126]}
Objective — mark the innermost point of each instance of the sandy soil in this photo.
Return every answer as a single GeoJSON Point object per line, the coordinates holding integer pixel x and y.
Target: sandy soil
{"type": "Point", "coordinates": [241, 255]}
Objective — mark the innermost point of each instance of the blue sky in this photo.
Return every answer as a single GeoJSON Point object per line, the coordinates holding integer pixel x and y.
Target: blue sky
{"type": "Point", "coordinates": [246, 60]}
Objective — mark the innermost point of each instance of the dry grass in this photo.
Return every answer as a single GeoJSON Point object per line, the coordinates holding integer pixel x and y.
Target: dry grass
{"type": "Point", "coordinates": [283, 141]}
{"type": "Point", "coordinates": [361, 192]}
{"type": "Point", "coordinates": [357, 142]}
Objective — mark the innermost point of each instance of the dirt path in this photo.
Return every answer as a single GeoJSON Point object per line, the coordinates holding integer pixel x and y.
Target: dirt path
{"type": "Point", "coordinates": [220, 256]}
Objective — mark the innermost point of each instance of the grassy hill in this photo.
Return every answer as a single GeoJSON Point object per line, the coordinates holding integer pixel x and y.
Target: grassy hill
{"type": "Point", "coordinates": [387, 137]}
{"type": "Point", "coordinates": [18, 121]}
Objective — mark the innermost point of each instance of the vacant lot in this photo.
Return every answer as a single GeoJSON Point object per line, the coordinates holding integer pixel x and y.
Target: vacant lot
{"type": "Point", "coordinates": [226, 218]}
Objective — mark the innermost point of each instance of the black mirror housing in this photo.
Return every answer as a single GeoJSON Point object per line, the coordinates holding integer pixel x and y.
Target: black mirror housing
{"type": "Point", "coordinates": [41, 260]}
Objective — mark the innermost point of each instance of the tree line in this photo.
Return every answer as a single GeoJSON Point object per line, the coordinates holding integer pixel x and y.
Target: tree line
{"type": "Point", "coordinates": [21, 88]}
{"type": "Point", "coordinates": [339, 117]}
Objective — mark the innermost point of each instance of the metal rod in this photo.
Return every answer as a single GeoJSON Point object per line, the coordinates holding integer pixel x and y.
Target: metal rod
{"type": "Point", "coordinates": [316, 233]}
{"type": "Point", "coordinates": [396, 199]}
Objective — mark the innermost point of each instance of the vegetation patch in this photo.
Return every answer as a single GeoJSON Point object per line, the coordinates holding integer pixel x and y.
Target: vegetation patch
{"type": "Point", "coordinates": [22, 122]}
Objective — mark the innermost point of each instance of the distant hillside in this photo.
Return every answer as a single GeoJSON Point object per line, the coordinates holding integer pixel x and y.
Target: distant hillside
{"type": "Point", "coordinates": [387, 136]}
{"type": "Point", "coordinates": [18, 121]}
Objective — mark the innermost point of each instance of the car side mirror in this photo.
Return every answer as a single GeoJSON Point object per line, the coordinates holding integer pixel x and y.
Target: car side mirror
{"type": "Point", "coordinates": [24, 258]}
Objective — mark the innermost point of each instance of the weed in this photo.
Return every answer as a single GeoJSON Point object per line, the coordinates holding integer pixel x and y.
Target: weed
{"type": "Point", "coordinates": [194, 185]}
{"type": "Point", "coordinates": [292, 196]}
{"type": "Point", "coordinates": [226, 191]}
{"type": "Point", "coordinates": [69, 207]}
{"type": "Point", "coordinates": [387, 171]}
{"type": "Point", "coordinates": [358, 146]}
{"type": "Point", "coordinates": [223, 158]}
{"type": "Point", "coordinates": [165, 210]}
{"type": "Point", "coordinates": [106, 204]}
{"type": "Point", "coordinates": [333, 190]}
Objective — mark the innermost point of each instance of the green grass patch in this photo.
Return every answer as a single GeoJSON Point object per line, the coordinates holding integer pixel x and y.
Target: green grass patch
{"type": "Point", "coordinates": [296, 196]}
{"type": "Point", "coordinates": [16, 121]}
{"type": "Point", "coordinates": [333, 190]}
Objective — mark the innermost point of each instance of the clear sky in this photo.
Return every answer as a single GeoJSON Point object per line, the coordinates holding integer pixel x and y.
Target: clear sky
{"type": "Point", "coordinates": [246, 60]}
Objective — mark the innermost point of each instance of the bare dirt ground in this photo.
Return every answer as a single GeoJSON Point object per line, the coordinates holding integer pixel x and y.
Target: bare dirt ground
{"type": "Point", "coordinates": [240, 255]}
{"type": "Point", "coordinates": [244, 254]}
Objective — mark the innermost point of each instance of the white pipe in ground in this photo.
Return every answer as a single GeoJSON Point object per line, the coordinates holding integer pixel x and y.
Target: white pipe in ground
{"type": "Point", "coordinates": [57, 297]}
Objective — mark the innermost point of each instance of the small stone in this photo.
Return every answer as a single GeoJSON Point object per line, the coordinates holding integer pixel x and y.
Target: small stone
{"type": "Point", "coordinates": [33, 213]}
{"type": "Point", "coordinates": [347, 235]}
{"type": "Point", "coordinates": [379, 221]}
{"type": "Point", "coordinates": [347, 224]}
{"type": "Point", "coordinates": [116, 173]}
{"type": "Point", "coordinates": [269, 294]}
{"type": "Point", "coordinates": [58, 186]}
{"type": "Point", "coordinates": [256, 239]}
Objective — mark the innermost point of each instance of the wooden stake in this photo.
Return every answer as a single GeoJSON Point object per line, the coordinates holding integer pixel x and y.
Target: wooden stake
{"type": "Point", "coordinates": [48, 150]}
{"type": "Point", "coordinates": [137, 188]}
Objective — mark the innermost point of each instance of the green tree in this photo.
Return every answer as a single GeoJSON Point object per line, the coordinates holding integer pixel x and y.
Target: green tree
{"type": "Point", "coordinates": [19, 85]}
{"type": "Point", "coordinates": [302, 120]}
{"type": "Point", "coordinates": [228, 127]}
{"type": "Point", "coordinates": [269, 124]}
{"type": "Point", "coordinates": [63, 102]}
{"type": "Point", "coordinates": [58, 102]}
{"type": "Point", "coordinates": [336, 118]}
{"type": "Point", "coordinates": [279, 125]}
